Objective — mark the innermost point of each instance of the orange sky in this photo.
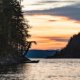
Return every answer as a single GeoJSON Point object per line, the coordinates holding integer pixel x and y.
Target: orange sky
{"type": "Point", "coordinates": [53, 22]}
{"type": "Point", "coordinates": [51, 32]}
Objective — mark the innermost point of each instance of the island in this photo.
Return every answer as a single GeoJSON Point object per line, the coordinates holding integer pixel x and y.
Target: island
{"type": "Point", "coordinates": [72, 49]}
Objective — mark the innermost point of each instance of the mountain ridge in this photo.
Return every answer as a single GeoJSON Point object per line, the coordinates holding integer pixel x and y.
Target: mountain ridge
{"type": "Point", "coordinates": [40, 53]}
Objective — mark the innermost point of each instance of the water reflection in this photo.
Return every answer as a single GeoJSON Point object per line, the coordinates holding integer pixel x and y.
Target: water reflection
{"type": "Point", "coordinates": [12, 72]}
{"type": "Point", "coordinates": [55, 69]}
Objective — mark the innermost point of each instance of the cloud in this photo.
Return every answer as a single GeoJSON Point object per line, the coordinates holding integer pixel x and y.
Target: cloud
{"type": "Point", "coordinates": [59, 39]}
{"type": "Point", "coordinates": [72, 11]}
{"type": "Point", "coordinates": [52, 20]}
{"type": "Point", "coordinates": [51, 1]}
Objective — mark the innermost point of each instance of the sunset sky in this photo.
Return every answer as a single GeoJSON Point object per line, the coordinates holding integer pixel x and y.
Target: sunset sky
{"type": "Point", "coordinates": [53, 21]}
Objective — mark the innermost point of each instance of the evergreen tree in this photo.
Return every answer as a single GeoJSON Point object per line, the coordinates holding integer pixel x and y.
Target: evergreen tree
{"type": "Point", "coordinates": [13, 30]}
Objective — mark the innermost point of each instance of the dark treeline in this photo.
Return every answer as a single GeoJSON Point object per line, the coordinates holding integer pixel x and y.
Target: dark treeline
{"type": "Point", "coordinates": [13, 30]}
{"type": "Point", "coordinates": [72, 50]}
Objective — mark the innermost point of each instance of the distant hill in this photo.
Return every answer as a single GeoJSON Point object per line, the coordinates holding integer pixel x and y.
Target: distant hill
{"type": "Point", "coordinates": [40, 53]}
{"type": "Point", "coordinates": [72, 50]}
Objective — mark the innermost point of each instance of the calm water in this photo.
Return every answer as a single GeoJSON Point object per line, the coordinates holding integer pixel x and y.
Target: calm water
{"type": "Point", "coordinates": [46, 69]}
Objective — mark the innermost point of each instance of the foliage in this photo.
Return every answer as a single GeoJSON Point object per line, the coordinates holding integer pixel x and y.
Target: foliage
{"type": "Point", "coordinates": [72, 49]}
{"type": "Point", "coordinates": [13, 30]}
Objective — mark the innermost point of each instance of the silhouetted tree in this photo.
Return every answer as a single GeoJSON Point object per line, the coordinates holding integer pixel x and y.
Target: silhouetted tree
{"type": "Point", "coordinates": [13, 30]}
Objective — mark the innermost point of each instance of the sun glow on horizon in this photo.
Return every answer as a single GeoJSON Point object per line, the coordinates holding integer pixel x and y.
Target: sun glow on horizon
{"type": "Point", "coordinates": [53, 21]}
{"type": "Point", "coordinates": [51, 32]}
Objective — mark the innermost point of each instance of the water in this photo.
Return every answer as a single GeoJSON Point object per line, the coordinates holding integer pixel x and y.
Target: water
{"type": "Point", "coordinates": [46, 69]}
